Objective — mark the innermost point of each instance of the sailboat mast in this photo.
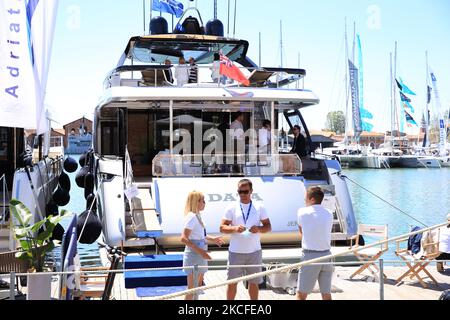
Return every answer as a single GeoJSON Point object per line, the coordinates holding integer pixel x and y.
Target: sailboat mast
{"type": "Point", "coordinates": [392, 102]}
{"type": "Point", "coordinates": [397, 120]}
{"type": "Point", "coordinates": [426, 141]}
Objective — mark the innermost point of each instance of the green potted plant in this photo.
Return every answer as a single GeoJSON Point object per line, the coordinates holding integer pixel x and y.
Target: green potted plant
{"type": "Point", "coordinates": [35, 242]}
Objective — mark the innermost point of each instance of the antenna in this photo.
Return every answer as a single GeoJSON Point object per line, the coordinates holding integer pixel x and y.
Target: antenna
{"type": "Point", "coordinates": [228, 26]}
{"type": "Point", "coordinates": [281, 43]}
{"type": "Point", "coordinates": [260, 49]}
{"type": "Point", "coordinates": [234, 27]}
{"type": "Point", "coordinates": [215, 9]}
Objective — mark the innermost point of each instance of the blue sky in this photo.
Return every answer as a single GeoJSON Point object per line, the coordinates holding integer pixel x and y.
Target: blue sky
{"type": "Point", "coordinates": [91, 35]}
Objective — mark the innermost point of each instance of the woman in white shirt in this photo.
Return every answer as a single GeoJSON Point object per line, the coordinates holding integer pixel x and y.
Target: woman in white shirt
{"type": "Point", "coordinates": [194, 237]}
{"type": "Point", "coordinates": [182, 72]}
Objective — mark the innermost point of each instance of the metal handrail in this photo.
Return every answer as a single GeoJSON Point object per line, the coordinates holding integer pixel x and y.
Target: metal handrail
{"type": "Point", "coordinates": [294, 74]}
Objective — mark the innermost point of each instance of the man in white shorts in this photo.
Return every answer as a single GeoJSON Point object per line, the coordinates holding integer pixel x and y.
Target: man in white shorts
{"type": "Point", "coordinates": [315, 224]}
{"type": "Point", "coordinates": [244, 221]}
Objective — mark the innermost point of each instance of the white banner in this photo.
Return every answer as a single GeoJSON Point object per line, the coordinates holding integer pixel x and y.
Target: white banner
{"type": "Point", "coordinates": [17, 80]}
{"type": "Point", "coordinates": [43, 16]}
{"type": "Point", "coordinates": [26, 34]}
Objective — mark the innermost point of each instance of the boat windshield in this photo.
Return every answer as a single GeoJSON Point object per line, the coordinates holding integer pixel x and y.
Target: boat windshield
{"type": "Point", "coordinates": [157, 51]}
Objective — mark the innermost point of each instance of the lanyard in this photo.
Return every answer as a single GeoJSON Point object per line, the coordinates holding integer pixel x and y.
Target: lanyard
{"type": "Point", "coordinates": [201, 222]}
{"type": "Point", "coordinates": [248, 212]}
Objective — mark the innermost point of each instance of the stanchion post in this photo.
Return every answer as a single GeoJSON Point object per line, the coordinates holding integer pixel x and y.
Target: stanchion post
{"type": "Point", "coordinates": [12, 285]}
{"type": "Point", "coordinates": [381, 279]}
{"type": "Point", "coordinates": [196, 274]}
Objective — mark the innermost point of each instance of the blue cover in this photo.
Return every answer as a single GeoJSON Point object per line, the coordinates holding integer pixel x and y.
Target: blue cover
{"type": "Point", "coordinates": [153, 261]}
{"type": "Point", "coordinates": [66, 238]}
{"type": "Point", "coordinates": [149, 234]}
{"type": "Point", "coordinates": [136, 279]}
{"type": "Point", "coordinates": [69, 264]}
{"type": "Point", "coordinates": [414, 241]}
{"type": "Point", "coordinates": [158, 291]}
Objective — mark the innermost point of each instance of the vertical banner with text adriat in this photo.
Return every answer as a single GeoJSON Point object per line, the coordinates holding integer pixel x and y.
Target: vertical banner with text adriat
{"type": "Point", "coordinates": [26, 35]}
{"type": "Point", "coordinates": [17, 78]}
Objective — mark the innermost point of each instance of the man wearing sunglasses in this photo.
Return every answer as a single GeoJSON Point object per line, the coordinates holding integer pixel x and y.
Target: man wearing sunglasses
{"type": "Point", "coordinates": [244, 222]}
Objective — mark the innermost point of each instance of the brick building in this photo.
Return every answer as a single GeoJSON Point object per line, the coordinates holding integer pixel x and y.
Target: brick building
{"type": "Point", "coordinates": [74, 127]}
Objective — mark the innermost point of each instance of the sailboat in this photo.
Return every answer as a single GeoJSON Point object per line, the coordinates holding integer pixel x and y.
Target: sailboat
{"type": "Point", "coordinates": [354, 155]}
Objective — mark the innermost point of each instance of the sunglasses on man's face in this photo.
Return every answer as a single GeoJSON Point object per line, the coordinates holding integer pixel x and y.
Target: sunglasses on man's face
{"type": "Point", "coordinates": [243, 191]}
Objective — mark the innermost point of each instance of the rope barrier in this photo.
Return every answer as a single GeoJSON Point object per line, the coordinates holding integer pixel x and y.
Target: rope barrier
{"type": "Point", "coordinates": [295, 265]}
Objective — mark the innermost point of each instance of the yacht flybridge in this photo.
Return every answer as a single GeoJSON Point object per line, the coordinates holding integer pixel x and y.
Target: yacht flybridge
{"type": "Point", "coordinates": [156, 139]}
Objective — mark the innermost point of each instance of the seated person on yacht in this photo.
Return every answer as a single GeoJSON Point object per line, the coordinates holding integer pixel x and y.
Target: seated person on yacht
{"type": "Point", "coordinates": [444, 245]}
{"type": "Point", "coordinates": [182, 72]}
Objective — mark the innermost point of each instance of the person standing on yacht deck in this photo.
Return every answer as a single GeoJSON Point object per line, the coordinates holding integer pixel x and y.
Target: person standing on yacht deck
{"type": "Point", "coordinates": [264, 137]}
{"type": "Point", "coordinates": [194, 237]}
{"type": "Point", "coordinates": [244, 221]}
{"type": "Point", "coordinates": [193, 71]}
{"type": "Point", "coordinates": [314, 224]}
{"type": "Point", "coordinates": [168, 72]}
{"type": "Point", "coordinates": [182, 72]}
{"type": "Point", "coordinates": [299, 146]}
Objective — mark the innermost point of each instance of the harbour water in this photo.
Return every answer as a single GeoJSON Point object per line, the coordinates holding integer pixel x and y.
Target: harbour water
{"type": "Point", "coordinates": [422, 193]}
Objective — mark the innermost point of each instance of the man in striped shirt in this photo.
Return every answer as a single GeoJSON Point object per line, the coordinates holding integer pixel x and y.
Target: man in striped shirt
{"type": "Point", "coordinates": [193, 71]}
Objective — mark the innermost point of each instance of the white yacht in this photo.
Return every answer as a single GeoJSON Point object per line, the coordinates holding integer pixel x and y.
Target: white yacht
{"type": "Point", "coordinates": [156, 140]}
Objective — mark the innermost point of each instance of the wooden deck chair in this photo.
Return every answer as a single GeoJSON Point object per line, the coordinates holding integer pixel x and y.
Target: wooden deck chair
{"type": "Point", "coordinates": [370, 255]}
{"type": "Point", "coordinates": [417, 263]}
{"type": "Point", "coordinates": [87, 283]}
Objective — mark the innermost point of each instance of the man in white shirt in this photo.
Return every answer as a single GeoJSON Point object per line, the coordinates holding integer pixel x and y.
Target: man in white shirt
{"type": "Point", "coordinates": [264, 137]}
{"type": "Point", "coordinates": [237, 127]}
{"type": "Point", "coordinates": [315, 224]}
{"type": "Point", "coordinates": [244, 221]}
{"type": "Point", "coordinates": [444, 245]}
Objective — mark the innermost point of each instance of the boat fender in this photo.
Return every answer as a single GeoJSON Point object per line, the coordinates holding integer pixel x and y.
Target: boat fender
{"type": "Point", "coordinates": [51, 209]}
{"type": "Point", "coordinates": [89, 200]}
{"type": "Point", "coordinates": [81, 174]}
{"type": "Point", "coordinates": [88, 184]}
{"type": "Point", "coordinates": [82, 160]}
{"type": "Point", "coordinates": [61, 196]}
{"type": "Point", "coordinates": [92, 229]}
{"type": "Point", "coordinates": [57, 232]}
{"type": "Point", "coordinates": [64, 181]}
{"type": "Point", "coordinates": [70, 165]}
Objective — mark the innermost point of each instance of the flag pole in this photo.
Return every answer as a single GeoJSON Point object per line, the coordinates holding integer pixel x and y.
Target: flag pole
{"type": "Point", "coordinates": [228, 26]}
{"type": "Point", "coordinates": [143, 5]}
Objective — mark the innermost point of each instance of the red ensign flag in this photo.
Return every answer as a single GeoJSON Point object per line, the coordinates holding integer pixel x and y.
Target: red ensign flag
{"type": "Point", "coordinates": [227, 68]}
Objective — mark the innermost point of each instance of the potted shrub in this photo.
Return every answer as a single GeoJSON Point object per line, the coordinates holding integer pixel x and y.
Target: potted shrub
{"type": "Point", "coordinates": [35, 242]}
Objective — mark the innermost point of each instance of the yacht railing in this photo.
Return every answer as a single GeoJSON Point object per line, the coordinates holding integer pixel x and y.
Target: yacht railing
{"type": "Point", "coordinates": [271, 269]}
{"type": "Point", "coordinates": [158, 76]}
{"type": "Point", "coordinates": [197, 165]}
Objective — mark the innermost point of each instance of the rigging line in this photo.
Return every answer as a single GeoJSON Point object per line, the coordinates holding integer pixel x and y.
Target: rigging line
{"type": "Point", "coordinates": [335, 76]}
{"type": "Point", "coordinates": [390, 204]}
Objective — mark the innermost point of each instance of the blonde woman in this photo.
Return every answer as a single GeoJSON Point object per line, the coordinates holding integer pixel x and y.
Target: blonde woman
{"type": "Point", "coordinates": [194, 236]}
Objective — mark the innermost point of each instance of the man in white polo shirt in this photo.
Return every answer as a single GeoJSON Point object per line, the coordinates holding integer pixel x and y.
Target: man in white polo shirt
{"type": "Point", "coordinates": [315, 224]}
{"type": "Point", "coordinates": [244, 221]}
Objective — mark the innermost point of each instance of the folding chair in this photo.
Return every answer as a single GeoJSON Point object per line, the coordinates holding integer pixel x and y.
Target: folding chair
{"type": "Point", "coordinates": [369, 255]}
{"type": "Point", "coordinates": [417, 263]}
